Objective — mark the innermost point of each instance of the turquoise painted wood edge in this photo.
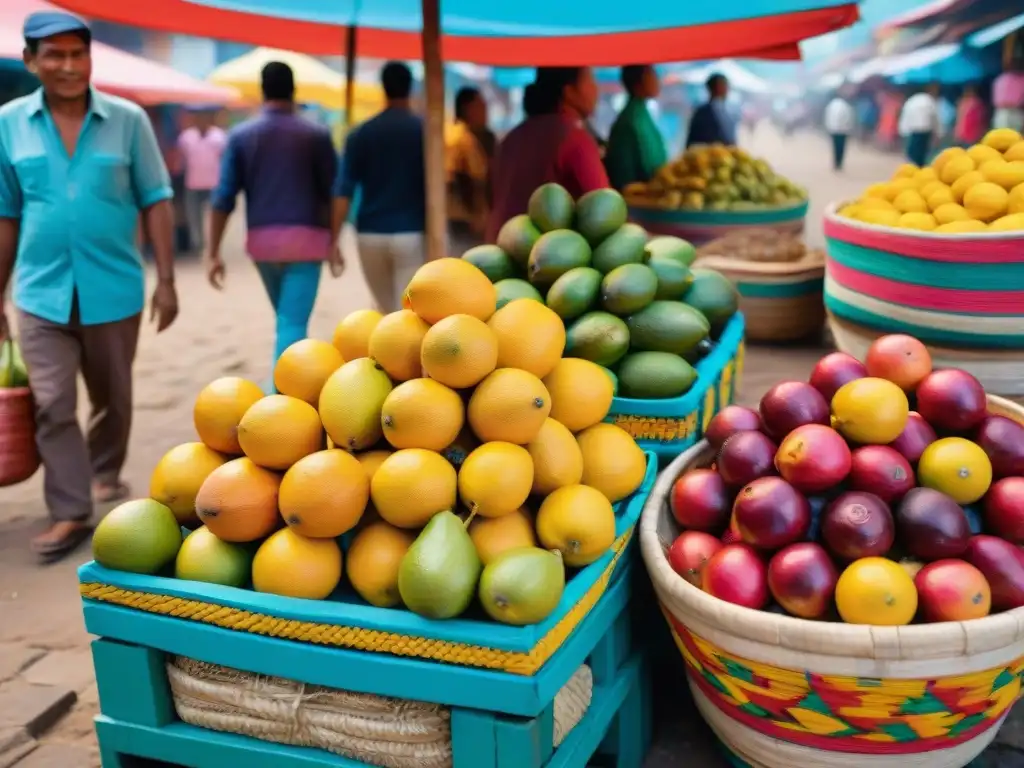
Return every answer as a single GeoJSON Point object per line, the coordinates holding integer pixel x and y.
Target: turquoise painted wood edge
{"type": "Point", "coordinates": [933, 274]}
{"type": "Point", "coordinates": [709, 370]}
{"type": "Point", "coordinates": [749, 290]}
{"type": "Point", "coordinates": [483, 632]}
{"type": "Point", "coordinates": [720, 218]}
{"type": "Point", "coordinates": [368, 672]}
{"type": "Point", "coordinates": [940, 337]}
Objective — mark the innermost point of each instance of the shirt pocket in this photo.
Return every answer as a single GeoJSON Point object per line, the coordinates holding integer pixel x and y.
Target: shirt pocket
{"type": "Point", "coordinates": [107, 176]}
{"type": "Point", "coordinates": [33, 172]}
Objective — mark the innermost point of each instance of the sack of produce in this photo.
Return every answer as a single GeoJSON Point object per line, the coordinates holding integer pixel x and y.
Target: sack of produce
{"type": "Point", "coordinates": [760, 245]}
{"type": "Point", "coordinates": [18, 456]}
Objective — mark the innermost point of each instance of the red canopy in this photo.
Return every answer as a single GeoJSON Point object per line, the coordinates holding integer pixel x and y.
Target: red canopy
{"type": "Point", "coordinates": [773, 37]}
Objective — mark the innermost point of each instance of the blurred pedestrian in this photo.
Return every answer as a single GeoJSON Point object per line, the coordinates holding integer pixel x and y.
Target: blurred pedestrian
{"type": "Point", "coordinates": [867, 116]}
{"type": "Point", "coordinates": [919, 124]}
{"type": "Point", "coordinates": [552, 144]}
{"type": "Point", "coordinates": [713, 122]}
{"type": "Point", "coordinates": [77, 168]}
{"type": "Point", "coordinates": [468, 172]}
{"type": "Point", "coordinates": [384, 161]}
{"type": "Point", "coordinates": [201, 146]}
{"type": "Point", "coordinates": [889, 120]}
{"type": "Point", "coordinates": [285, 165]}
{"type": "Point", "coordinates": [636, 148]}
{"type": "Point", "coordinates": [970, 118]}
{"type": "Point", "coordinates": [840, 121]}
{"type": "Point", "coordinates": [1008, 98]}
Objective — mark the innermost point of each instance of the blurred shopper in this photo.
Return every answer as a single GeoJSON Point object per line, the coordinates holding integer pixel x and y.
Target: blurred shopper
{"type": "Point", "coordinates": [468, 173]}
{"type": "Point", "coordinates": [636, 148]}
{"type": "Point", "coordinates": [970, 118]}
{"type": "Point", "coordinates": [919, 124]}
{"type": "Point", "coordinates": [285, 166]}
{"type": "Point", "coordinates": [889, 120]}
{"type": "Point", "coordinates": [201, 146]}
{"type": "Point", "coordinates": [947, 119]}
{"type": "Point", "coordinates": [1008, 98]}
{"type": "Point", "coordinates": [77, 168]}
{"type": "Point", "coordinates": [384, 161]}
{"type": "Point", "coordinates": [840, 120]}
{"type": "Point", "coordinates": [867, 116]}
{"type": "Point", "coordinates": [551, 145]}
{"type": "Point", "coordinates": [713, 122]}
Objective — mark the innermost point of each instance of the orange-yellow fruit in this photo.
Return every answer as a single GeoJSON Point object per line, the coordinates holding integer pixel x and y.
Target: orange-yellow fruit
{"type": "Point", "coordinates": [910, 201]}
{"type": "Point", "coordinates": [373, 560]}
{"type": "Point", "coordinates": [509, 406]}
{"type": "Point", "coordinates": [875, 203]}
{"type": "Point", "coordinates": [531, 336]}
{"type": "Point", "coordinates": [980, 154]}
{"type": "Point", "coordinates": [612, 461]}
{"type": "Point", "coordinates": [279, 430]}
{"type": "Point", "coordinates": [324, 494]}
{"type": "Point", "coordinates": [395, 344]}
{"type": "Point", "coordinates": [371, 461]}
{"type": "Point", "coordinates": [948, 212]}
{"type": "Point", "coordinates": [579, 522]}
{"type": "Point", "coordinates": [962, 227]}
{"type": "Point", "coordinates": [1014, 153]}
{"type": "Point", "coordinates": [944, 157]}
{"type": "Point", "coordinates": [1001, 138]}
{"type": "Point", "coordinates": [1006, 175]}
{"type": "Point", "coordinates": [292, 565]}
{"type": "Point", "coordinates": [459, 351]}
{"type": "Point", "coordinates": [303, 368]}
{"type": "Point", "coordinates": [1015, 200]}
{"type": "Point", "coordinates": [1013, 222]}
{"type": "Point", "coordinates": [352, 335]}
{"type": "Point", "coordinates": [413, 485]}
{"type": "Point", "coordinates": [180, 474]}
{"type": "Point", "coordinates": [238, 501]}
{"type": "Point", "coordinates": [218, 409]}
{"type": "Point", "coordinates": [495, 479]}
{"type": "Point", "coordinates": [422, 413]}
{"type": "Point", "coordinates": [450, 286]}
{"type": "Point", "coordinates": [581, 393]}
{"type": "Point", "coordinates": [493, 535]}
{"type": "Point", "coordinates": [986, 201]}
{"type": "Point", "coordinates": [921, 221]}
{"type": "Point", "coordinates": [557, 458]}
{"type": "Point", "coordinates": [905, 171]}
{"type": "Point", "coordinates": [957, 167]}
{"type": "Point", "coordinates": [965, 182]}
{"type": "Point", "coordinates": [939, 197]}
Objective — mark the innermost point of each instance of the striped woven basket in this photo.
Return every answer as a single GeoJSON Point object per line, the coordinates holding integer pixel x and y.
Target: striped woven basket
{"type": "Point", "coordinates": [701, 227]}
{"type": "Point", "coordinates": [782, 692]}
{"type": "Point", "coordinates": [962, 294]}
{"type": "Point", "coordinates": [782, 301]}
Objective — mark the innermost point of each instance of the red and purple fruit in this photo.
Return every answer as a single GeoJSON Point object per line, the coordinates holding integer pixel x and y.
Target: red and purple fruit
{"type": "Point", "coordinates": [792, 404]}
{"type": "Point", "coordinates": [1002, 565]}
{"type": "Point", "coordinates": [700, 500]}
{"type": "Point", "coordinates": [952, 590]}
{"type": "Point", "coordinates": [737, 574]}
{"type": "Point", "coordinates": [813, 458]}
{"type": "Point", "coordinates": [881, 470]}
{"type": "Point", "coordinates": [917, 435]}
{"type": "Point", "coordinates": [952, 400]}
{"type": "Point", "coordinates": [856, 525]}
{"type": "Point", "coordinates": [770, 513]}
{"type": "Point", "coordinates": [802, 579]}
{"type": "Point", "coordinates": [729, 421]}
{"type": "Point", "coordinates": [1004, 509]}
{"type": "Point", "coordinates": [745, 457]}
{"type": "Point", "coordinates": [690, 552]}
{"type": "Point", "coordinates": [834, 370]}
{"type": "Point", "coordinates": [931, 525]}
{"type": "Point", "coordinates": [1003, 440]}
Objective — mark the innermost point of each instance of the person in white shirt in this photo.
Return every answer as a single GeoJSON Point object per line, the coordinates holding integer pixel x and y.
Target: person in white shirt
{"type": "Point", "coordinates": [840, 121]}
{"type": "Point", "coordinates": [919, 123]}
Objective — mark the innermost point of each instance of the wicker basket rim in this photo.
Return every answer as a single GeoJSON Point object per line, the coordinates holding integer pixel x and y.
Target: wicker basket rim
{"type": "Point", "coordinates": [759, 209]}
{"type": "Point", "coordinates": [756, 625]}
{"type": "Point", "coordinates": [812, 261]}
{"type": "Point", "coordinates": [832, 214]}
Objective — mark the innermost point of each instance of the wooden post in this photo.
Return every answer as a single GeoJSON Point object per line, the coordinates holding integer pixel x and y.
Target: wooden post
{"type": "Point", "coordinates": [350, 75]}
{"type": "Point", "coordinates": [433, 135]}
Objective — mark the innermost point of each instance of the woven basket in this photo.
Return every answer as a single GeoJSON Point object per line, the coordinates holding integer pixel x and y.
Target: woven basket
{"type": "Point", "coordinates": [701, 227]}
{"type": "Point", "coordinates": [19, 458]}
{"type": "Point", "coordinates": [376, 730]}
{"type": "Point", "coordinates": [783, 692]}
{"type": "Point", "coordinates": [780, 301]}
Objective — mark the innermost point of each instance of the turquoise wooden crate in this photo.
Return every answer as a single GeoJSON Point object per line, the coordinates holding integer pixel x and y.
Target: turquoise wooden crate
{"type": "Point", "coordinates": [498, 719]}
{"type": "Point", "coordinates": [701, 227]}
{"type": "Point", "coordinates": [347, 621]}
{"type": "Point", "coordinates": [669, 427]}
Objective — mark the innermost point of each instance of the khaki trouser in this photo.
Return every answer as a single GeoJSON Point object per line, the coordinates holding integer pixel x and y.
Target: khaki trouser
{"type": "Point", "coordinates": [54, 354]}
{"type": "Point", "coordinates": [389, 262]}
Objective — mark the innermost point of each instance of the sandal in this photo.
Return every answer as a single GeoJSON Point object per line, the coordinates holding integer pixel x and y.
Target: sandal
{"type": "Point", "coordinates": [108, 494]}
{"type": "Point", "coordinates": [60, 539]}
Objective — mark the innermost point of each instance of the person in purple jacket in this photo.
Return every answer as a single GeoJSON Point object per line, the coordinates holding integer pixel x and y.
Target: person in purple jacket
{"type": "Point", "coordinates": [286, 166]}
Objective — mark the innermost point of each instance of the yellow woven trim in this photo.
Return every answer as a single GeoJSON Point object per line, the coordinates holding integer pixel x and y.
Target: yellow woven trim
{"type": "Point", "coordinates": [366, 639]}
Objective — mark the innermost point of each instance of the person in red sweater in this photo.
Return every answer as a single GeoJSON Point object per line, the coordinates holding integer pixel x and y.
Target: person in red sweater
{"type": "Point", "coordinates": [551, 145]}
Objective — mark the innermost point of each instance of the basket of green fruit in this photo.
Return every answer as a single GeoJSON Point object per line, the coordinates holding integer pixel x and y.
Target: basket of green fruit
{"type": "Point", "coordinates": [843, 576]}
{"type": "Point", "coordinates": [18, 456]}
{"type": "Point", "coordinates": [668, 333]}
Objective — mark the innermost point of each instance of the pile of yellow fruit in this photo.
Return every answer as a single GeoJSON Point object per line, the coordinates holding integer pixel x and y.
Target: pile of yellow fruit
{"type": "Point", "coordinates": [447, 435]}
{"type": "Point", "coordinates": [980, 189]}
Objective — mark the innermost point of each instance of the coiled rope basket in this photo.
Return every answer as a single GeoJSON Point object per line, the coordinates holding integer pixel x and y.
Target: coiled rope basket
{"type": "Point", "coordinates": [781, 692]}
{"type": "Point", "coordinates": [962, 295]}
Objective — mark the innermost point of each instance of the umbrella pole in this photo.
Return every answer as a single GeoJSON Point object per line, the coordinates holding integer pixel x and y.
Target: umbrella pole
{"type": "Point", "coordinates": [350, 75]}
{"type": "Point", "coordinates": [433, 136]}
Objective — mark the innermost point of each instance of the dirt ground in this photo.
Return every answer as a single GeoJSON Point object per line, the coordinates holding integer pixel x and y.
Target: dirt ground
{"type": "Point", "coordinates": [42, 638]}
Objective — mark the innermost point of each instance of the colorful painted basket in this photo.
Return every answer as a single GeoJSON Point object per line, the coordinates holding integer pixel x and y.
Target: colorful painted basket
{"type": "Point", "coordinates": [346, 621]}
{"type": "Point", "coordinates": [962, 294]}
{"type": "Point", "coordinates": [669, 427]}
{"type": "Point", "coordinates": [700, 227]}
{"type": "Point", "coordinates": [781, 301]}
{"type": "Point", "coordinates": [782, 692]}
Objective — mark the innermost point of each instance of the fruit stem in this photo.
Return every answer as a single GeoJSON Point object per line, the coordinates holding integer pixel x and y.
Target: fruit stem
{"type": "Point", "coordinates": [473, 509]}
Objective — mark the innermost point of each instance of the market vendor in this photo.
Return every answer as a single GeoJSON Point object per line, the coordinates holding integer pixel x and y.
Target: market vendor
{"type": "Point", "coordinates": [636, 148]}
{"type": "Point", "coordinates": [551, 145]}
{"type": "Point", "coordinates": [712, 123]}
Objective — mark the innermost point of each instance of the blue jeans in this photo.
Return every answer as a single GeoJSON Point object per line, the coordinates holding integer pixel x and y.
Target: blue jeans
{"type": "Point", "coordinates": [918, 146]}
{"type": "Point", "coordinates": [838, 150]}
{"type": "Point", "coordinates": [292, 289]}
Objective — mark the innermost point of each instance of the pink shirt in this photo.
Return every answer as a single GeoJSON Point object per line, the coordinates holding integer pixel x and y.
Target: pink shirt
{"type": "Point", "coordinates": [201, 153]}
{"type": "Point", "coordinates": [1008, 91]}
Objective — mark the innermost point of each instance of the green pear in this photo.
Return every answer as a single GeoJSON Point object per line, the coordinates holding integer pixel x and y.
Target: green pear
{"type": "Point", "coordinates": [439, 573]}
{"type": "Point", "coordinates": [522, 586]}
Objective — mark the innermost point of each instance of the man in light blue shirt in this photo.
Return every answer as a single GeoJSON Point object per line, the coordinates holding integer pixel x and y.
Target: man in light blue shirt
{"type": "Point", "coordinates": [77, 168]}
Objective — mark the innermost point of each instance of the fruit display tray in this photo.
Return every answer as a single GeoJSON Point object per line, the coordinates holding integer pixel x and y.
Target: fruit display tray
{"type": "Point", "coordinates": [781, 691]}
{"type": "Point", "coordinates": [345, 621]}
{"type": "Point", "coordinates": [701, 227]}
{"type": "Point", "coordinates": [668, 427]}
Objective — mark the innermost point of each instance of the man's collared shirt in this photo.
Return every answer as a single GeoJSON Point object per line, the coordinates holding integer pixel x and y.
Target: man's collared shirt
{"type": "Point", "coordinates": [79, 215]}
{"type": "Point", "coordinates": [636, 148]}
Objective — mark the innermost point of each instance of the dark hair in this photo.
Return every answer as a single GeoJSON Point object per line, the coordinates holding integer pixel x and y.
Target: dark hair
{"type": "Point", "coordinates": [633, 75]}
{"type": "Point", "coordinates": [32, 43]}
{"type": "Point", "coordinates": [396, 79]}
{"type": "Point", "coordinates": [463, 98]}
{"type": "Point", "coordinates": [714, 80]}
{"type": "Point", "coordinates": [549, 85]}
{"type": "Point", "coordinates": [530, 96]}
{"type": "Point", "coordinates": [277, 81]}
